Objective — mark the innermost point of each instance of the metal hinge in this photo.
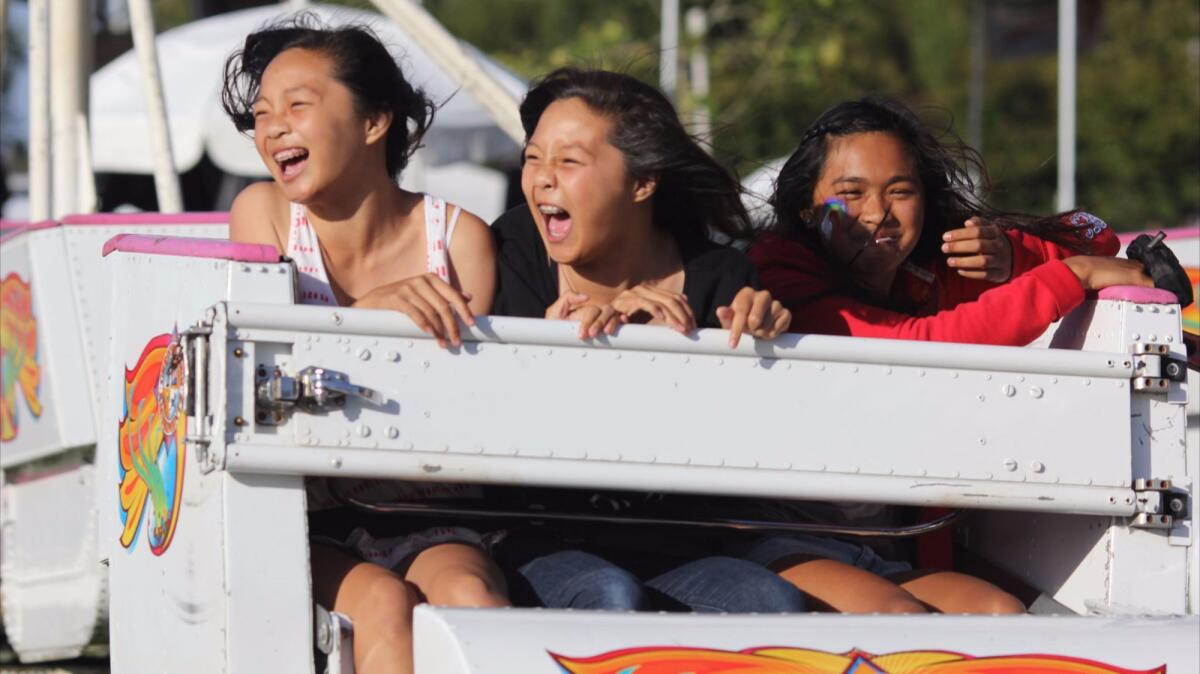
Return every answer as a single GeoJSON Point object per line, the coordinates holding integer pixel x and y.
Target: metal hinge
{"type": "Point", "coordinates": [197, 440]}
{"type": "Point", "coordinates": [1158, 504]}
{"type": "Point", "coordinates": [313, 389]}
{"type": "Point", "coordinates": [1155, 367]}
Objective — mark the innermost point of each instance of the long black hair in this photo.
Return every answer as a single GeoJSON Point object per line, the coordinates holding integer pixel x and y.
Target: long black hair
{"type": "Point", "coordinates": [360, 62]}
{"type": "Point", "coordinates": [695, 196]}
{"type": "Point", "coordinates": [952, 177]}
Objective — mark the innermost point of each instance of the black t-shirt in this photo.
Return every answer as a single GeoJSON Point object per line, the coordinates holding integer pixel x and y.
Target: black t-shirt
{"type": "Point", "coordinates": [527, 279]}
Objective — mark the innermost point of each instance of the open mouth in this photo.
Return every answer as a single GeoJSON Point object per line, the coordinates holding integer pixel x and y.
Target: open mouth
{"type": "Point", "coordinates": [291, 161]}
{"type": "Point", "coordinates": [557, 222]}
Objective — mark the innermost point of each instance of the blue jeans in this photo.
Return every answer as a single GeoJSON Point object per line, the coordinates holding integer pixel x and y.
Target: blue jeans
{"type": "Point", "coordinates": [576, 579]}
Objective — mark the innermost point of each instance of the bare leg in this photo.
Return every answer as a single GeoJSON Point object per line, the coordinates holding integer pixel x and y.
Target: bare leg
{"type": "Point", "coordinates": [835, 586]}
{"type": "Point", "coordinates": [951, 592]}
{"type": "Point", "coordinates": [377, 601]}
{"type": "Point", "coordinates": [455, 574]}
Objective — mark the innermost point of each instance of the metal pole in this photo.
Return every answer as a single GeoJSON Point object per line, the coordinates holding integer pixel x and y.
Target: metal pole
{"type": "Point", "coordinates": [668, 69]}
{"type": "Point", "coordinates": [88, 201]}
{"type": "Point", "coordinates": [697, 28]}
{"type": "Point", "coordinates": [70, 64]}
{"type": "Point", "coordinates": [445, 51]}
{"type": "Point", "coordinates": [1067, 20]}
{"type": "Point", "coordinates": [166, 181]}
{"type": "Point", "coordinates": [3, 32]}
{"type": "Point", "coordinates": [975, 90]}
{"type": "Point", "coordinates": [40, 185]}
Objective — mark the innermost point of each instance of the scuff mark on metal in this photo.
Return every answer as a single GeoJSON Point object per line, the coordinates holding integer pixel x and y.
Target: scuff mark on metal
{"type": "Point", "coordinates": [994, 496]}
{"type": "Point", "coordinates": [430, 468]}
{"type": "Point", "coordinates": [915, 485]}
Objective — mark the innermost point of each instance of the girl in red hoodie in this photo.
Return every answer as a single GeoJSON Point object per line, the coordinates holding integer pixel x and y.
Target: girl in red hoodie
{"type": "Point", "coordinates": [879, 233]}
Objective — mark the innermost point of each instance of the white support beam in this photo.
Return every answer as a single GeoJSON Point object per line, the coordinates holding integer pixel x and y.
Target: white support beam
{"type": "Point", "coordinates": [40, 185]}
{"type": "Point", "coordinates": [166, 181]}
{"type": "Point", "coordinates": [444, 49]}
{"type": "Point", "coordinates": [668, 48]}
{"type": "Point", "coordinates": [1068, 19]}
{"type": "Point", "coordinates": [70, 65]}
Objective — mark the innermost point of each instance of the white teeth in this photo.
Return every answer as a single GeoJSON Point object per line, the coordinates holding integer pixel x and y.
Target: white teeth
{"type": "Point", "coordinates": [291, 153]}
{"type": "Point", "coordinates": [550, 210]}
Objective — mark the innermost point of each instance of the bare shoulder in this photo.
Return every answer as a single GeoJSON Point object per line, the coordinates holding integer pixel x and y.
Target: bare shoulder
{"type": "Point", "coordinates": [259, 214]}
{"type": "Point", "coordinates": [472, 239]}
{"type": "Point", "coordinates": [473, 261]}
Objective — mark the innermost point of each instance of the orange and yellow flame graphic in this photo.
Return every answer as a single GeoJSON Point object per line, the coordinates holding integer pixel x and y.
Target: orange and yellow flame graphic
{"type": "Point", "coordinates": [151, 439]}
{"type": "Point", "coordinates": [1191, 314]}
{"type": "Point", "coordinates": [672, 660]}
{"type": "Point", "coordinates": [18, 354]}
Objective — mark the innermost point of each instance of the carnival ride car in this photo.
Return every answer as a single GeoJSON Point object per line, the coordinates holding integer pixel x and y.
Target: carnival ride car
{"type": "Point", "coordinates": [163, 404]}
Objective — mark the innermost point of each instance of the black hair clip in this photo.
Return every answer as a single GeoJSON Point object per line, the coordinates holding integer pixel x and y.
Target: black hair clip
{"type": "Point", "coordinates": [814, 132]}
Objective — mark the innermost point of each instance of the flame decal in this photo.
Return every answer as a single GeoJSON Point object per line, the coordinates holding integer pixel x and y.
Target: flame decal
{"type": "Point", "coordinates": [778, 660]}
{"type": "Point", "coordinates": [1191, 313]}
{"type": "Point", "coordinates": [151, 432]}
{"type": "Point", "coordinates": [18, 354]}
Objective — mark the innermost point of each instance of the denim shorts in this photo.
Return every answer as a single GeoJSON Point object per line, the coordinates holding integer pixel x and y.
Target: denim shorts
{"type": "Point", "coordinates": [770, 549]}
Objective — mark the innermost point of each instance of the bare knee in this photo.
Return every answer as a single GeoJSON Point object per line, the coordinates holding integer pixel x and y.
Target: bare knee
{"type": "Point", "coordinates": [1002, 603]}
{"type": "Point", "coordinates": [900, 602]}
{"type": "Point", "coordinates": [385, 605]}
{"type": "Point", "coordinates": [456, 587]}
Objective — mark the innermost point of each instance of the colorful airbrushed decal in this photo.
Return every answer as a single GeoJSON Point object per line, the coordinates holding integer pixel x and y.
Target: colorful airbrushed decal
{"type": "Point", "coordinates": [18, 354]}
{"type": "Point", "coordinates": [151, 432]}
{"type": "Point", "coordinates": [1191, 314]}
{"type": "Point", "coordinates": [775, 660]}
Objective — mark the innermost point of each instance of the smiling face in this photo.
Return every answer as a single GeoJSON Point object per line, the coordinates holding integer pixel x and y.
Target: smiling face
{"type": "Point", "coordinates": [875, 175]}
{"type": "Point", "coordinates": [307, 129]}
{"type": "Point", "coordinates": [577, 186]}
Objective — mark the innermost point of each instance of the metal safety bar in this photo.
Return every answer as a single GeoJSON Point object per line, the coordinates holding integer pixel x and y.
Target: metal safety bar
{"type": "Point", "coordinates": [735, 524]}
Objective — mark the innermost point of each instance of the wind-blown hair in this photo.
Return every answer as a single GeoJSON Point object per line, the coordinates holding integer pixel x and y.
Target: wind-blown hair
{"type": "Point", "coordinates": [952, 176]}
{"type": "Point", "coordinates": [695, 195]}
{"type": "Point", "coordinates": [360, 62]}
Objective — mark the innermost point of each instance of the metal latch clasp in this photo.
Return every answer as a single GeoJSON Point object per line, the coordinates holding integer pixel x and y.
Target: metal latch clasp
{"type": "Point", "coordinates": [314, 389]}
{"type": "Point", "coordinates": [1155, 367]}
{"type": "Point", "coordinates": [1158, 504]}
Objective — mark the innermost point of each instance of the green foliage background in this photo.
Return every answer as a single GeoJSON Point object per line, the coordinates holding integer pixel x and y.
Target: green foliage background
{"type": "Point", "coordinates": [776, 64]}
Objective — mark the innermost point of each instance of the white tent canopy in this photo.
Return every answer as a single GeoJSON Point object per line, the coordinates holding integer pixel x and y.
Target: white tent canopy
{"type": "Point", "coordinates": [758, 187]}
{"type": "Point", "coordinates": [192, 57]}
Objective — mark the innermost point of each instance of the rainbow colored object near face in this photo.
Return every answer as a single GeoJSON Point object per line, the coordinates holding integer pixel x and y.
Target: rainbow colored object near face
{"type": "Point", "coordinates": [152, 452]}
{"type": "Point", "coordinates": [18, 354]}
{"type": "Point", "coordinates": [832, 205]}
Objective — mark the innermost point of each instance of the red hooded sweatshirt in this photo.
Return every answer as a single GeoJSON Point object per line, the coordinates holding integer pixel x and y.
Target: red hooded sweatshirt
{"type": "Point", "coordinates": [951, 308]}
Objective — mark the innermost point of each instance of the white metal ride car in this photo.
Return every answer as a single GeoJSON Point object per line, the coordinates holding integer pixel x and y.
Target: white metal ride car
{"type": "Point", "coordinates": [162, 407]}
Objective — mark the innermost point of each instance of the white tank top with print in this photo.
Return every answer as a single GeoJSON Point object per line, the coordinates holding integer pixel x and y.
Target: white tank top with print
{"type": "Point", "coordinates": [305, 250]}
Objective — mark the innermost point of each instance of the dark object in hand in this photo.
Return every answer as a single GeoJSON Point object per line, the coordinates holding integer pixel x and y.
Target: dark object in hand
{"type": "Point", "coordinates": [1162, 266]}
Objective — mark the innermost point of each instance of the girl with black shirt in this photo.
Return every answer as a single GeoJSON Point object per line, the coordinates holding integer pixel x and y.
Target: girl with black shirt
{"type": "Point", "coordinates": [621, 207]}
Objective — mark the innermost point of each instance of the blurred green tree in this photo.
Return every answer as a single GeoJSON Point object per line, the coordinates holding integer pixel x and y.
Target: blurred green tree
{"type": "Point", "coordinates": [776, 64]}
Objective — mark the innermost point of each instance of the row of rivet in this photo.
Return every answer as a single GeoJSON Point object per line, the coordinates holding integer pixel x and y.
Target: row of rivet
{"type": "Point", "coordinates": [279, 269]}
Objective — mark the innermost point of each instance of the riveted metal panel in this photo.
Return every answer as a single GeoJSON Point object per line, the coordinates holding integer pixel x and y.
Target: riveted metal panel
{"type": "Point", "coordinates": [91, 287]}
{"type": "Point", "coordinates": [46, 408]}
{"type": "Point", "coordinates": [192, 589]}
{"type": "Point", "coordinates": [813, 417]}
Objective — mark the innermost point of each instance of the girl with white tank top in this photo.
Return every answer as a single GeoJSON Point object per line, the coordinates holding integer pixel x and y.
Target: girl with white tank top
{"type": "Point", "coordinates": [335, 122]}
{"type": "Point", "coordinates": [304, 248]}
